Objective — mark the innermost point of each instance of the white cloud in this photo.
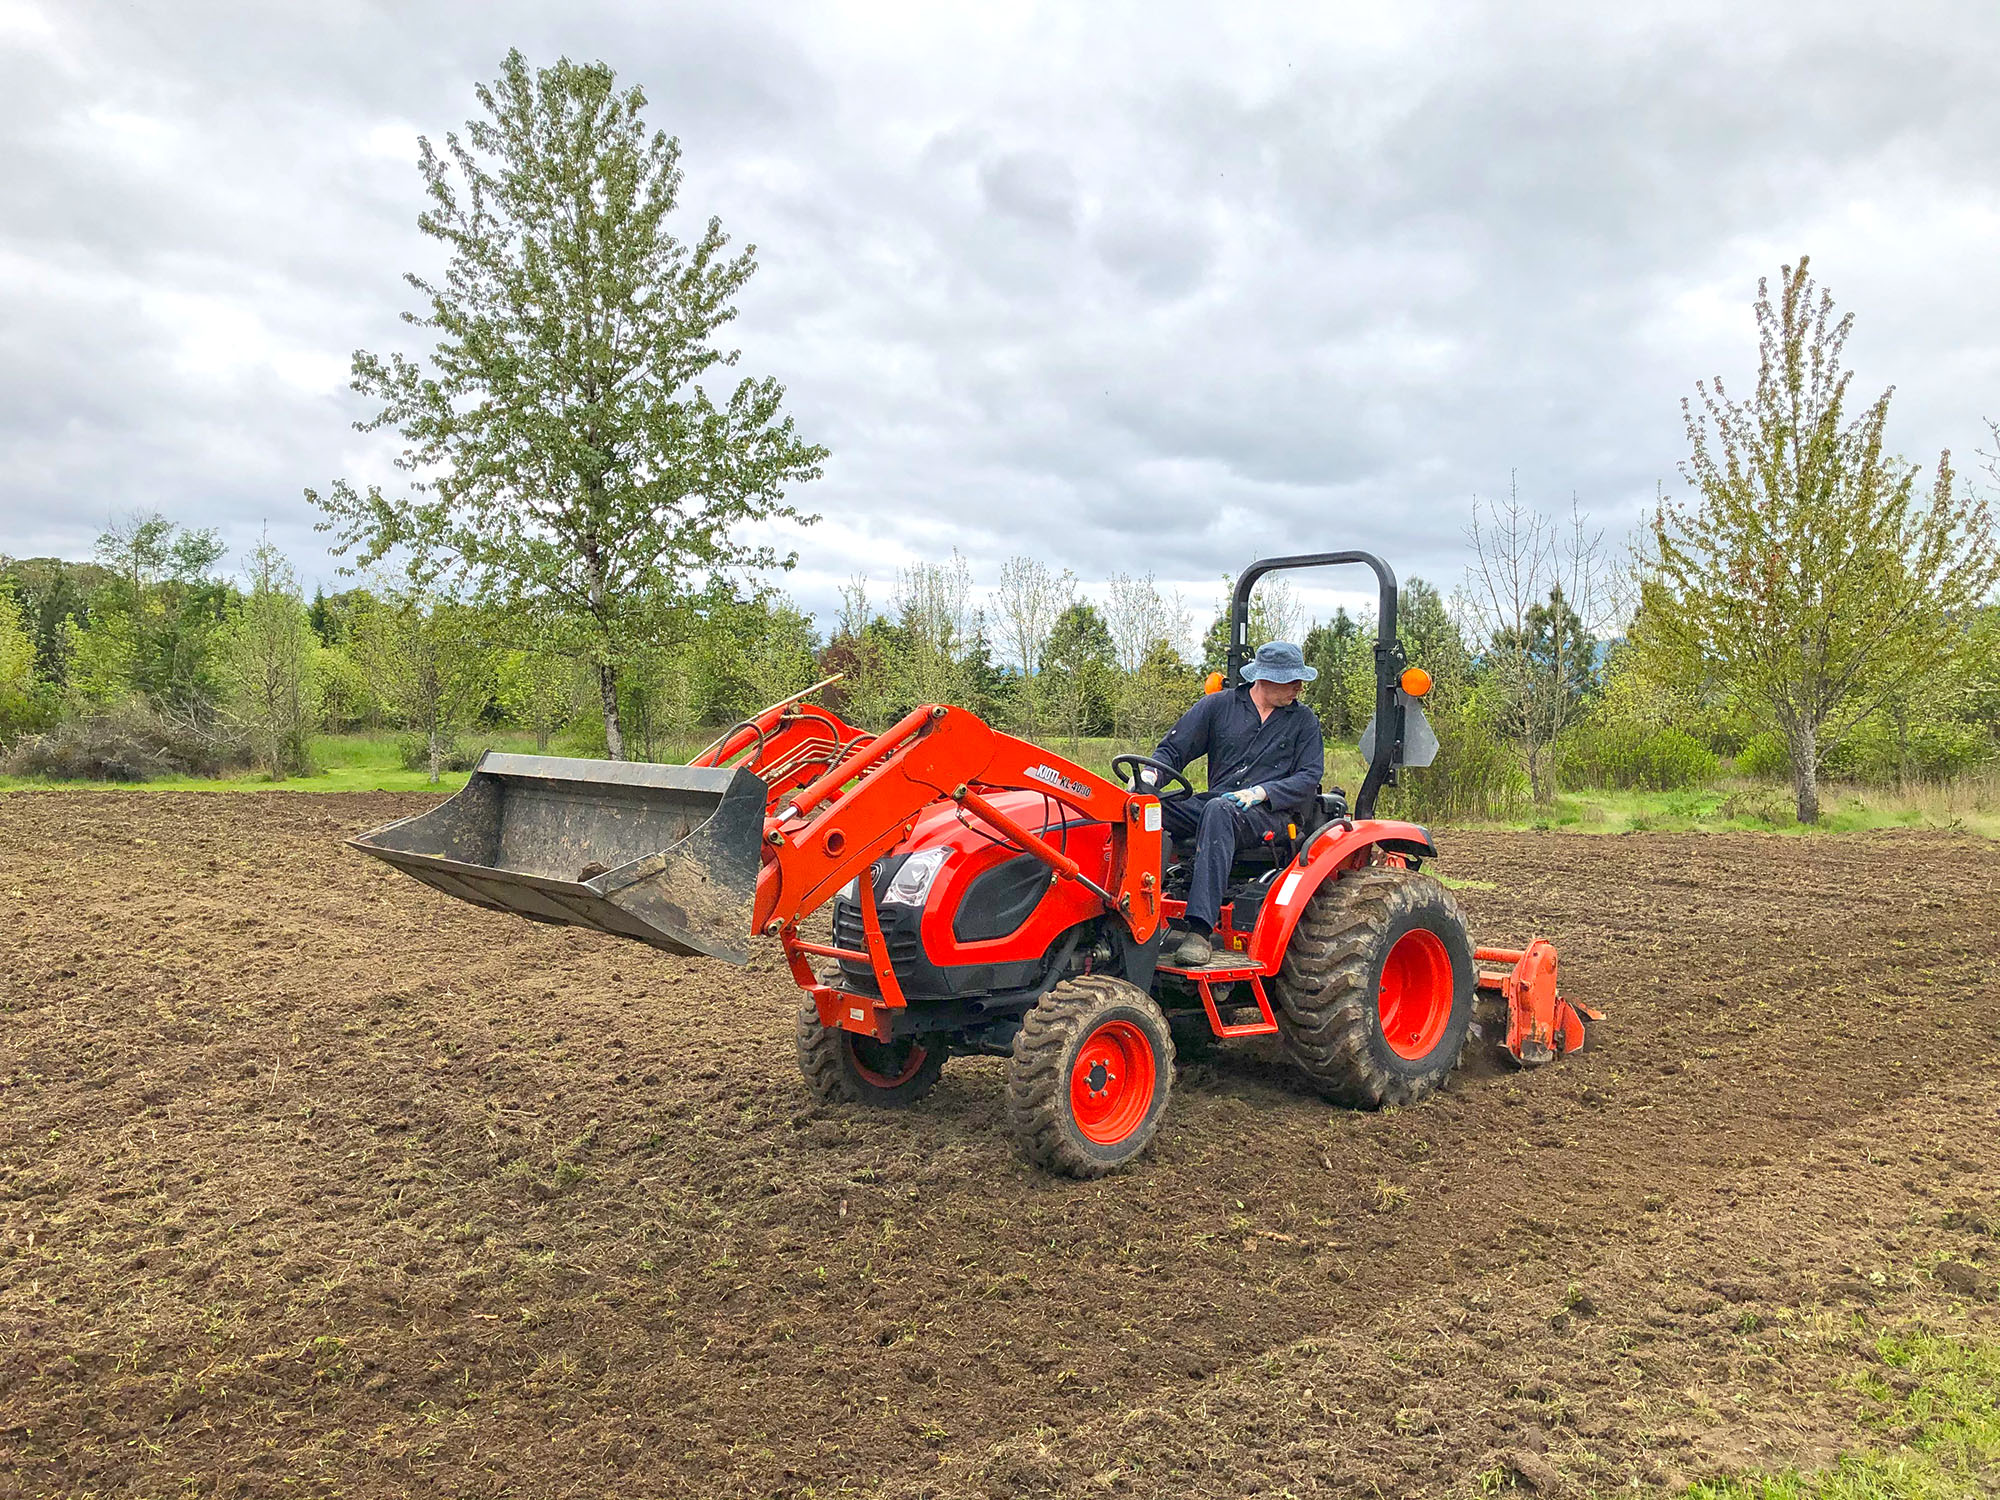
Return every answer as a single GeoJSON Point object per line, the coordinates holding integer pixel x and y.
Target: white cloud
{"type": "Point", "coordinates": [1127, 287]}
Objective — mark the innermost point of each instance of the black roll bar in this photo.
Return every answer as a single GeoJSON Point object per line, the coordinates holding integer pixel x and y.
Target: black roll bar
{"type": "Point", "coordinates": [1389, 660]}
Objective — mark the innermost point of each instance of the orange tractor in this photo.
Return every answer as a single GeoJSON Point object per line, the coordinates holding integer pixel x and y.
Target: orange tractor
{"type": "Point", "coordinates": [990, 898]}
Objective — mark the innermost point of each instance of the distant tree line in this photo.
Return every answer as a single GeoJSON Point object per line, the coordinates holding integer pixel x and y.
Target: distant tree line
{"type": "Point", "coordinates": [149, 659]}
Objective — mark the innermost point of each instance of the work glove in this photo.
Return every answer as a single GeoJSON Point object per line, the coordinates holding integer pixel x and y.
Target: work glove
{"type": "Point", "coordinates": [1249, 796]}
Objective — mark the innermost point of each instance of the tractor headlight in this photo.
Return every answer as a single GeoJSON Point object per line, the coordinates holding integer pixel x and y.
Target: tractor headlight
{"type": "Point", "coordinates": [911, 883]}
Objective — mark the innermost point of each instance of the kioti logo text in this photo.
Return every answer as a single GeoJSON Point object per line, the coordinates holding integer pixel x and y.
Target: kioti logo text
{"type": "Point", "coordinates": [1050, 776]}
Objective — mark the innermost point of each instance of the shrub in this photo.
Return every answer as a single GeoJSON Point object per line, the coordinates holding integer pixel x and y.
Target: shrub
{"type": "Point", "coordinates": [1476, 775]}
{"type": "Point", "coordinates": [414, 751]}
{"type": "Point", "coordinates": [1935, 751]}
{"type": "Point", "coordinates": [1622, 756]}
{"type": "Point", "coordinates": [130, 743]}
{"type": "Point", "coordinates": [1764, 756]}
{"type": "Point", "coordinates": [38, 707]}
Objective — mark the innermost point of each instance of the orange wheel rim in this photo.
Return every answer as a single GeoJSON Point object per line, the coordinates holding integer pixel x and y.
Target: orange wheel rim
{"type": "Point", "coordinates": [1111, 1082]}
{"type": "Point", "coordinates": [881, 1064]}
{"type": "Point", "coordinates": [1416, 994]}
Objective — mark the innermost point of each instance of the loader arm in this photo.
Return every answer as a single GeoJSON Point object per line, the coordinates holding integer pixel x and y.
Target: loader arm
{"type": "Point", "coordinates": [788, 746]}
{"type": "Point", "coordinates": [867, 801]}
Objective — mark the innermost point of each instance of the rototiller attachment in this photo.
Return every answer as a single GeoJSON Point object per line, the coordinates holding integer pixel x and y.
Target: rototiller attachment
{"type": "Point", "coordinates": [1541, 1025]}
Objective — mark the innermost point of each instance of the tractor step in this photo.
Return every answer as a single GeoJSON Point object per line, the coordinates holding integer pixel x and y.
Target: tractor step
{"type": "Point", "coordinates": [1229, 968]}
{"type": "Point", "coordinates": [1222, 965]}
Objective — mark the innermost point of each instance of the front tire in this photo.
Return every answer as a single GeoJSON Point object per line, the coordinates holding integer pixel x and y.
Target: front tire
{"type": "Point", "coordinates": [1088, 1082]}
{"type": "Point", "coordinates": [843, 1067]}
{"type": "Point", "coordinates": [1375, 995]}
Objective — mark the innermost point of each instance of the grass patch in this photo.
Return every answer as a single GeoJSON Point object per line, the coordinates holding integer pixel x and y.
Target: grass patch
{"type": "Point", "coordinates": [370, 761]}
{"type": "Point", "coordinates": [1971, 806]}
{"type": "Point", "coordinates": [1942, 1395]}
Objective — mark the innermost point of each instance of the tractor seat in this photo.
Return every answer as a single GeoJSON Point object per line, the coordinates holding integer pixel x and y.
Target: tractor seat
{"type": "Point", "coordinates": [1321, 811]}
{"type": "Point", "coordinates": [1259, 862]}
{"type": "Point", "coordinates": [1278, 853]}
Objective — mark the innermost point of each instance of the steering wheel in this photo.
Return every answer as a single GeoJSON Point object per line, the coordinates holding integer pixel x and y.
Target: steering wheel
{"type": "Point", "coordinates": [1175, 787]}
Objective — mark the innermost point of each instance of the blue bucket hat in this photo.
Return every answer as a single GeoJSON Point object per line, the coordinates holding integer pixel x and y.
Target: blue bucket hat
{"type": "Point", "coordinates": [1280, 661]}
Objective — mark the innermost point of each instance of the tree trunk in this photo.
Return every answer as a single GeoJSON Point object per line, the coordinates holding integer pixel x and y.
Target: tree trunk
{"type": "Point", "coordinates": [436, 748]}
{"type": "Point", "coordinates": [614, 731]}
{"type": "Point", "coordinates": [1803, 745]}
{"type": "Point", "coordinates": [1540, 783]}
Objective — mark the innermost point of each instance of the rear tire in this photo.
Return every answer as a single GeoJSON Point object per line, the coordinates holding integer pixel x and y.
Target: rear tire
{"type": "Point", "coordinates": [1376, 991]}
{"type": "Point", "coordinates": [842, 1067]}
{"type": "Point", "coordinates": [1088, 1082]}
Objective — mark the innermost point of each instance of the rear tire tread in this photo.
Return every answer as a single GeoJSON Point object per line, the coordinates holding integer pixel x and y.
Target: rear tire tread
{"type": "Point", "coordinates": [1326, 988]}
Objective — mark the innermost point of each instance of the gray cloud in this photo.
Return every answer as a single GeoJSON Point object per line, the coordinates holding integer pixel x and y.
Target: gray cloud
{"type": "Point", "coordinates": [1124, 288]}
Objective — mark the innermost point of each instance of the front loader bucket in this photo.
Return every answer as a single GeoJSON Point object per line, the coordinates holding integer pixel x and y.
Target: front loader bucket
{"type": "Point", "coordinates": [664, 854]}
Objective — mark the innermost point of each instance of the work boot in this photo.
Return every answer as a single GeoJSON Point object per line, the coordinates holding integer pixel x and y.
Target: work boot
{"type": "Point", "coordinates": [1194, 951]}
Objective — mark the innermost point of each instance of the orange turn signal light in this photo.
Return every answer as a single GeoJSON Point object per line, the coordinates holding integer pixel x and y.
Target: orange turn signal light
{"type": "Point", "coordinates": [1416, 681]}
{"type": "Point", "coordinates": [1214, 683]}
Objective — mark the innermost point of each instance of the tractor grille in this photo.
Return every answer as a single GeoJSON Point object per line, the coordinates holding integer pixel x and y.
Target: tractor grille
{"type": "Point", "coordinates": [849, 933]}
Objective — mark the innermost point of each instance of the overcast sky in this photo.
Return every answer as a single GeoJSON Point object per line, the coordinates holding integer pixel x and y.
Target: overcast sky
{"type": "Point", "coordinates": [1128, 288]}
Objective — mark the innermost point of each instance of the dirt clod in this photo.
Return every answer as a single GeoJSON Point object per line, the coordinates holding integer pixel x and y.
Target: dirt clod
{"type": "Point", "coordinates": [1534, 1471]}
{"type": "Point", "coordinates": [1966, 1280]}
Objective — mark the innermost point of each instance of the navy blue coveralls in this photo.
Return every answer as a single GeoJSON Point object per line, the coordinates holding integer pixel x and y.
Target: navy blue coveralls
{"type": "Point", "coordinates": [1283, 754]}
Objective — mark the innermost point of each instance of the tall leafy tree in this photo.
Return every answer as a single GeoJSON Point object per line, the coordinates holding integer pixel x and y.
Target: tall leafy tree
{"type": "Point", "coordinates": [1336, 651]}
{"type": "Point", "coordinates": [19, 692]}
{"type": "Point", "coordinates": [428, 661]}
{"type": "Point", "coordinates": [1080, 672]}
{"type": "Point", "coordinates": [267, 654]}
{"type": "Point", "coordinates": [54, 597]}
{"type": "Point", "coordinates": [158, 611]}
{"type": "Point", "coordinates": [565, 446]}
{"type": "Point", "coordinates": [1812, 576]}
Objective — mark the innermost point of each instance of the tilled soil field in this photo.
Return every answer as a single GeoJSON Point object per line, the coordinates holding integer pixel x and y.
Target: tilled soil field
{"type": "Point", "coordinates": [313, 1181]}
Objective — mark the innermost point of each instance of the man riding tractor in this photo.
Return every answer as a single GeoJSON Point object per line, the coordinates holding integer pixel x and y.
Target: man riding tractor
{"type": "Point", "coordinates": [1265, 764]}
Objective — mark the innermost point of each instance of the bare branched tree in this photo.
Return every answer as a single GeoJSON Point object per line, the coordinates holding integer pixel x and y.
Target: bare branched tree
{"type": "Point", "coordinates": [855, 610]}
{"type": "Point", "coordinates": [1029, 601]}
{"type": "Point", "coordinates": [1139, 617]}
{"type": "Point", "coordinates": [1149, 631]}
{"type": "Point", "coordinates": [934, 607]}
{"type": "Point", "coordinates": [1275, 612]}
{"type": "Point", "coordinates": [1536, 595]}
